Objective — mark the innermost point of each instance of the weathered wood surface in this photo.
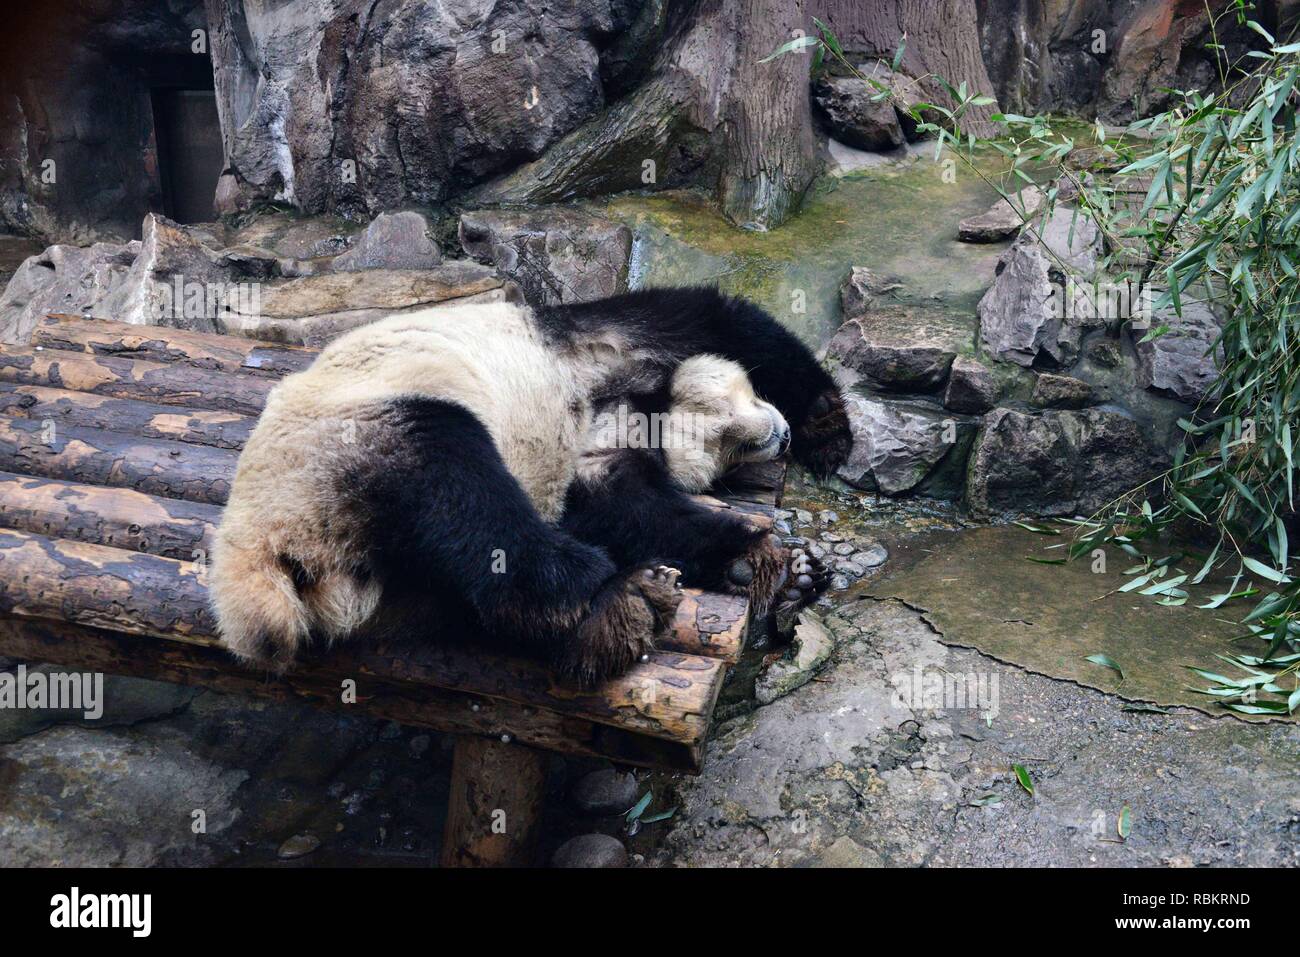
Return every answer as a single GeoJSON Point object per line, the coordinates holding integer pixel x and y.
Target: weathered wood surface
{"type": "Point", "coordinates": [162, 382]}
{"type": "Point", "coordinates": [198, 473]}
{"type": "Point", "coordinates": [121, 518]}
{"type": "Point", "coordinates": [116, 468]}
{"type": "Point", "coordinates": [494, 805]}
{"type": "Point", "coordinates": [103, 337]}
{"type": "Point", "coordinates": [669, 696]}
{"type": "Point", "coordinates": [226, 430]}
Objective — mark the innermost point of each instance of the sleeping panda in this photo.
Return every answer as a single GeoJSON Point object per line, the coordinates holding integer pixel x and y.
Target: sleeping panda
{"type": "Point", "coordinates": [438, 473]}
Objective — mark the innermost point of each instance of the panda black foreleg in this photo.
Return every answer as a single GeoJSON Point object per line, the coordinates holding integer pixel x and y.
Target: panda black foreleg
{"type": "Point", "coordinates": [632, 509]}
{"type": "Point", "coordinates": [440, 510]}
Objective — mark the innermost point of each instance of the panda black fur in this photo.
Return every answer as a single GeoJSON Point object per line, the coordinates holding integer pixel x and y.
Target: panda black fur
{"type": "Point", "coordinates": [429, 460]}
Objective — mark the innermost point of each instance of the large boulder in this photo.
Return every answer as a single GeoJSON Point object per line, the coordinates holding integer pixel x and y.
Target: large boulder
{"type": "Point", "coordinates": [854, 114]}
{"type": "Point", "coordinates": [1057, 462]}
{"type": "Point", "coordinates": [1179, 362]}
{"type": "Point", "coordinates": [1042, 300]}
{"type": "Point", "coordinates": [71, 279]}
{"type": "Point", "coordinates": [896, 444]}
{"type": "Point", "coordinates": [391, 241]}
{"type": "Point", "coordinates": [898, 348]}
{"type": "Point", "coordinates": [403, 103]}
{"type": "Point", "coordinates": [554, 254]}
{"type": "Point", "coordinates": [178, 281]}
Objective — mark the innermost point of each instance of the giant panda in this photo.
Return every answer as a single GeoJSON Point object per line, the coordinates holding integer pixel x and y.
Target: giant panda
{"type": "Point", "coordinates": [432, 474]}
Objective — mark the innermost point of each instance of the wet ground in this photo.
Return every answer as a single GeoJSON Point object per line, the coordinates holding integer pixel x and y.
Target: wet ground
{"type": "Point", "coordinates": [899, 219]}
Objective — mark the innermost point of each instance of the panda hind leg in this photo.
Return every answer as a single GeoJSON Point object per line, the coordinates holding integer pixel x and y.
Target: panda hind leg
{"type": "Point", "coordinates": [441, 510]}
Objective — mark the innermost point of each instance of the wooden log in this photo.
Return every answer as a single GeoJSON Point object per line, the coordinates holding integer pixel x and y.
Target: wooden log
{"type": "Point", "coordinates": [201, 350]}
{"type": "Point", "coordinates": [443, 710]}
{"type": "Point", "coordinates": [670, 696]}
{"type": "Point", "coordinates": [706, 624]}
{"type": "Point", "coordinates": [494, 805]}
{"type": "Point", "coordinates": [226, 430]}
{"type": "Point", "coordinates": [118, 517]}
{"type": "Point", "coordinates": [135, 379]}
{"type": "Point", "coordinates": [197, 473]}
{"type": "Point", "coordinates": [102, 587]}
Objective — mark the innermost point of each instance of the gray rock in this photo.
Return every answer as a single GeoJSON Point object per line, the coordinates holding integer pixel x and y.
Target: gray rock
{"type": "Point", "coordinates": [844, 548]}
{"type": "Point", "coordinates": [1041, 300]}
{"type": "Point", "coordinates": [810, 649]}
{"type": "Point", "coordinates": [873, 556]}
{"type": "Point", "coordinates": [392, 241]}
{"type": "Point", "coordinates": [300, 845]}
{"type": "Point", "coordinates": [1057, 462]}
{"type": "Point", "coordinates": [179, 281]}
{"type": "Point", "coordinates": [857, 292]}
{"type": "Point", "coordinates": [607, 791]}
{"type": "Point", "coordinates": [1004, 219]}
{"type": "Point", "coordinates": [1060, 392]}
{"type": "Point", "coordinates": [422, 100]}
{"type": "Point", "coordinates": [63, 279]}
{"type": "Point", "coordinates": [971, 387]}
{"type": "Point", "coordinates": [845, 852]}
{"type": "Point", "coordinates": [898, 349]}
{"type": "Point", "coordinates": [1105, 352]}
{"type": "Point", "coordinates": [315, 309]}
{"type": "Point", "coordinates": [555, 254]}
{"type": "Point", "coordinates": [590, 850]}
{"type": "Point", "coordinates": [1180, 362]}
{"type": "Point", "coordinates": [895, 444]}
{"type": "Point", "coordinates": [855, 116]}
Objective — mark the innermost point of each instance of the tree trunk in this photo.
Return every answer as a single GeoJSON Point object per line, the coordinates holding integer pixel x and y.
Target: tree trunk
{"type": "Point", "coordinates": [708, 113]}
{"type": "Point", "coordinates": [942, 41]}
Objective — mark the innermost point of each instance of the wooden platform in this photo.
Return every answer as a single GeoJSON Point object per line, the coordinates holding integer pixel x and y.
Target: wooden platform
{"type": "Point", "coordinates": [118, 445]}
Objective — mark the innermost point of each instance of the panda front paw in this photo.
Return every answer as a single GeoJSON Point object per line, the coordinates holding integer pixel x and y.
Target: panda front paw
{"type": "Point", "coordinates": [823, 442]}
{"type": "Point", "coordinates": [625, 618]}
{"type": "Point", "coordinates": [778, 575]}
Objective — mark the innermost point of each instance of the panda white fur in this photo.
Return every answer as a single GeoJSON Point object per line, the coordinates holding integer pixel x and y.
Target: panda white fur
{"type": "Point", "coordinates": [440, 474]}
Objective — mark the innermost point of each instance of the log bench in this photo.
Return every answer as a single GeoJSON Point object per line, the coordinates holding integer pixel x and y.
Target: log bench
{"type": "Point", "coordinates": [118, 445]}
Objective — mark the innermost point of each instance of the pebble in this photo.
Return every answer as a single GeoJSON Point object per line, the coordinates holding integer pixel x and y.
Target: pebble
{"type": "Point", "coordinates": [300, 845]}
{"type": "Point", "coordinates": [816, 550]}
{"type": "Point", "coordinates": [827, 517]}
{"type": "Point", "coordinates": [803, 516]}
{"type": "Point", "coordinates": [844, 548]}
{"type": "Point", "coordinates": [850, 567]}
{"type": "Point", "coordinates": [590, 850]}
{"type": "Point", "coordinates": [840, 582]}
{"type": "Point", "coordinates": [607, 791]}
{"type": "Point", "coordinates": [831, 537]}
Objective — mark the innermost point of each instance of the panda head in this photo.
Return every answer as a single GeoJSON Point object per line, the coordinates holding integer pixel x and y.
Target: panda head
{"type": "Point", "coordinates": [718, 422]}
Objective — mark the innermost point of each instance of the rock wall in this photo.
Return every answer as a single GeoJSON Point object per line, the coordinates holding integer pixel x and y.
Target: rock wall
{"type": "Point", "coordinates": [1109, 58]}
{"type": "Point", "coordinates": [78, 159]}
{"type": "Point", "coordinates": [360, 107]}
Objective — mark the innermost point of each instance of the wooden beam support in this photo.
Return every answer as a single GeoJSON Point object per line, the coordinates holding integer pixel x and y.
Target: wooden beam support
{"type": "Point", "coordinates": [198, 473]}
{"type": "Point", "coordinates": [161, 382]}
{"type": "Point", "coordinates": [495, 803]}
{"type": "Point", "coordinates": [444, 710]}
{"type": "Point", "coordinates": [201, 350]}
{"type": "Point", "coordinates": [670, 696]}
{"type": "Point", "coordinates": [152, 420]}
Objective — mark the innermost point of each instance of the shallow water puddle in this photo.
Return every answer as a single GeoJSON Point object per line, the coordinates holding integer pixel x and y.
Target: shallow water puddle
{"type": "Point", "coordinates": [979, 590]}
